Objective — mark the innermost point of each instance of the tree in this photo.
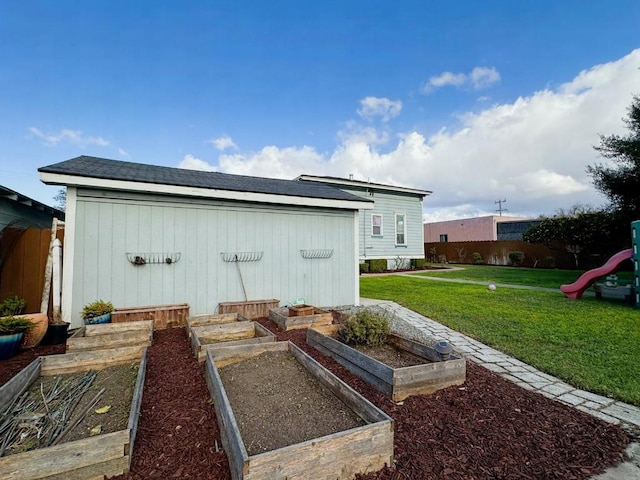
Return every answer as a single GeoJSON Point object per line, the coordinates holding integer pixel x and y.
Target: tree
{"type": "Point", "coordinates": [581, 231]}
{"type": "Point", "coordinates": [620, 182]}
{"type": "Point", "coordinates": [61, 199]}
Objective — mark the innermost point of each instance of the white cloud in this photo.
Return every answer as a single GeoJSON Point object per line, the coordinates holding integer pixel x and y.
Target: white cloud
{"type": "Point", "coordinates": [123, 152]}
{"type": "Point", "coordinates": [478, 78]}
{"type": "Point", "coordinates": [533, 151]}
{"type": "Point", "coordinates": [190, 162]}
{"type": "Point", "coordinates": [371, 107]}
{"type": "Point", "coordinates": [223, 143]}
{"type": "Point", "coordinates": [73, 137]}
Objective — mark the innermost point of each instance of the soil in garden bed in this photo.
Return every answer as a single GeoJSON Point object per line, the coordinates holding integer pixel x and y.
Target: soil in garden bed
{"type": "Point", "coordinates": [277, 403]}
{"type": "Point", "coordinates": [391, 355]}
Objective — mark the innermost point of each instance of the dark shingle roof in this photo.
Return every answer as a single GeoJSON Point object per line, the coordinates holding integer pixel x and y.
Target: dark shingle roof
{"type": "Point", "coordinates": [94, 167]}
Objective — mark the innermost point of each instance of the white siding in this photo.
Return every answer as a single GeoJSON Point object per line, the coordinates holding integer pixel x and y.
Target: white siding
{"type": "Point", "coordinates": [110, 224]}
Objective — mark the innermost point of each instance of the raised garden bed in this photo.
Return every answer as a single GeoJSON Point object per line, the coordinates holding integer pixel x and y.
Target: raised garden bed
{"type": "Point", "coordinates": [338, 455]}
{"type": "Point", "coordinates": [163, 316]}
{"type": "Point", "coordinates": [286, 321]}
{"type": "Point", "coordinates": [401, 382]}
{"type": "Point", "coordinates": [82, 457]}
{"type": "Point", "coordinates": [227, 334]}
{"type": "Point", "coordinates": [250, 309]}
{"type": "Point", "coordinates": [111, 335]}
{"type": "Point", "coordinates": [212, 319]}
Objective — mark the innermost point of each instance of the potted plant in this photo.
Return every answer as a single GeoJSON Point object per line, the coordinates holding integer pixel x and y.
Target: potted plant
{"type": "Point", "coordinates": [12, 305]}
{"type": "Point", "coordinates": [11, 332]}
{"type": "Point", "coordinates": [57, 331]}
{"type": "Point", "coordinates": [97, 312]}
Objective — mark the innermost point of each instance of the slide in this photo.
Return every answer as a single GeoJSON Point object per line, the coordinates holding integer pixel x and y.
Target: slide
{"type": "Point", "coordinates": [576, 289]}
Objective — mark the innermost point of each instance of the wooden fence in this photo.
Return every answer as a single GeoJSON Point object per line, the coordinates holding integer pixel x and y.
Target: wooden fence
{"type": "Point", "coordinates": [23, 257]}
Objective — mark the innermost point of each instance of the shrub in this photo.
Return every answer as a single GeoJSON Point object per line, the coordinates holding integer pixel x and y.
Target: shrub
{"type": "Point", "coordinates": [377, 265]}
{"type": "Point", "coordinates": [364, 328]}
{"type": "Point", "coordinates": [418, 263]}
{"type": "Point", "coordinates": [95, 309]}
{"type": "Point", "coordinates": [12, 305]}
{"type": "Point", "coordinates": [549, 262]}
{"type": "Point", "coordinates": [516, 258]}
{"type": "Point", "coordinates": [477, 258]}
{"type": "Point", "coordinates": [364, 267]}
{"type": "Point", "coordinates": [11, 325]}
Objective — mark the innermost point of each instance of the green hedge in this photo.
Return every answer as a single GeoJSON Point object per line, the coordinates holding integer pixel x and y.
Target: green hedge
{"type": "Point", "coordinates": [418, 263]}
{"type": "Point", "coordinates": [377, 265]}
{"type": "Point", "coordinates": [364, 267]}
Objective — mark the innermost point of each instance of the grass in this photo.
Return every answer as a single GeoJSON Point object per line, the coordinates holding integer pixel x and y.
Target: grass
{"type": "Point", "coordinates": [591, 344]}
{"type": "Point", "coordinates": [536, 277]}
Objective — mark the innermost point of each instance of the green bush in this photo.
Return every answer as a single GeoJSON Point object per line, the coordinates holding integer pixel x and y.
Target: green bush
{"type": "Point", "coordinates": [477, 258]}
{"type": "Point", "coordinates": [95, 309]}
{"type": "Point", "coordinates": [364, 267]}
{"type": "Point", "coordinates": [11, 325]}
{"type": "Point", "coordinates": [418, 263]}
{"type": "Point", "coordinates": [516, 258]}
{"type": "Point", "coordinates": [377, 265]}
{"type": "Point", "coordinates": [364, 328]}
{"type": "Point", "coordinates": [549, 262]}
{"type": "Point", "coordinates": [12, 305]}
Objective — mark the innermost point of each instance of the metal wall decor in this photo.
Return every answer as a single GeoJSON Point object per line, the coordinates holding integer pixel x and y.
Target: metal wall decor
{"type": "Point", "coordinates": [151, 258]}
{"type": "Point", "coordinates": [241, 256]}
{"type": "Point", "coordinates": [317, 253]}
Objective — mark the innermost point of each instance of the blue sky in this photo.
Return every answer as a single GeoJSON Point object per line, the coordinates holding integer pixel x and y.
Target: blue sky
{"type": "Point", "coordinates": [476, 101]}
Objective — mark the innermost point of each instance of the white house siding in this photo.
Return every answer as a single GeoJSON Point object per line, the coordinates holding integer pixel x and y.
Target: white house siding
{"type": "Point", "coordinates": [110, 224]}
{"type": "Point", "coordinates": [388, 204]}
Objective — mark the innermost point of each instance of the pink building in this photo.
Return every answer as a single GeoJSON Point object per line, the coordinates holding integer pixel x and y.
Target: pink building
{"type": "Point", "coordinates": [467, 229]}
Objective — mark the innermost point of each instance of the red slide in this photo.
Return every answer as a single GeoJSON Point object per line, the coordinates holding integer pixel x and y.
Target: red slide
{"type": "Point", "coordinates": [576, 289]}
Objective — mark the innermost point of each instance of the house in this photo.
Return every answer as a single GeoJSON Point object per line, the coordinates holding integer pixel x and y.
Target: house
{"type": "Point", "coordinates": [393, 229]}
{"type": "Point", "coordinates": [20, 211]}
{"type": "Point", "coordinates": [140, 234]}
{"type": "Point", "coordinates": [491, 227]}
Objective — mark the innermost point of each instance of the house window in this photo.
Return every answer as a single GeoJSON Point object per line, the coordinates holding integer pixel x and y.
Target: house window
{"type": "Point", "coordinates": [401, 229]}
{"type": "Point", "coordinates": [376, 225]}
{"type": "Point", "coordinates": [444, 238]}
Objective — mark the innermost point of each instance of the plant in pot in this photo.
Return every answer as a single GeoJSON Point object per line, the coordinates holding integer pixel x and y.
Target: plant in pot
{"type": "Point", "coordinates": [97, 312]}
{"type": "Point", "coordinates": [11, 332]}
{"type": "Point", "coordinates": [12, 305]}
{"type": "Point", "coordinates": [57, 331]}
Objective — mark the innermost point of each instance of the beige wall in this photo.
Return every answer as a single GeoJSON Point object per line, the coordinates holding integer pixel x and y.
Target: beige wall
{"type": "Point", "coordinates": [465, 229]}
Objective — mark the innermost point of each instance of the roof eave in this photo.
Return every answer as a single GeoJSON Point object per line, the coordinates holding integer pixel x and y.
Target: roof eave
{"type": "Point", "coordinates": [161, 188]}
{"type": "Point", "coordinates": [359, 183]}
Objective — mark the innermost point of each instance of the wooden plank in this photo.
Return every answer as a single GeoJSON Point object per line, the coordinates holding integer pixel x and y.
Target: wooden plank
{"type": "Point", "coordinates": [452, 372]}
{"type": "Point", "coordinates": [19, 383]}
{"type": "Point", "coordinates": [116, 466]}
{"type": "Point", "coordinates": [262, 331]}
{"type": "Point", "coordinates": [111, 328]}
{"type": "Point", "coordinates": [223, 329]}
{"type": "Point", "coordinates": [250, 309]}
{"type": "Point", "coordinates": [418, 348]}
{"type": "Point", "coordinates": [230, 433]}
{"type": "Point", "coordinates": [80, 332]}
{"type": "Point", "coordinates": [340, 350]}
{"type": "Point", "coordinates": [229, 355]}
{"type": "Point", "coordinates": [280, 317]}
{"type": "Point", "coordinates": [356, 402]}
{"type": "Point", "coordinates": [338, 456]}
{"type": "Point", "coordinates": [136, 404]}
{"type": "Point", "coordinates": [112, 340]}
{"type": "Point", "coordinates": [64, 457]}
{"type": "Point", "coordinates": [202, 353]}
{"type": "Point", "coordinates": [83, 361]}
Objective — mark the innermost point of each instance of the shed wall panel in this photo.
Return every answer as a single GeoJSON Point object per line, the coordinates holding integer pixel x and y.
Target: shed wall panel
{"type": "Point", "coordinates": [112, 224]}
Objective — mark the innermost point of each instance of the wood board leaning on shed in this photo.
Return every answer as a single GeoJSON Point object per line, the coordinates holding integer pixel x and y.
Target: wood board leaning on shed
{"type": "Point", "coordinates": [88, 458]}
{"type": "Point", "coordinates": [397, 382]}
{"type": "Point", "coordinates": [341, 455]}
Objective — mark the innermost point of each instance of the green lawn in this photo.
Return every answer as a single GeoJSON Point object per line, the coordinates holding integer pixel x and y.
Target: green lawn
{"type": "Point", "coordinates": [591, 344]}
{"type": "Point", "coordinates": [537, 277]}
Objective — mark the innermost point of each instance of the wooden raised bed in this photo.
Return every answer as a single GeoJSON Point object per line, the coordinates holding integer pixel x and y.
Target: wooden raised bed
{"type": "Point", "coordinates": [250, 309]}
{"type": "Point", "coordinates": [89, 458]}
{"type": "Point", "coordinates": [338, 456]}
{"type": "Point", "coordinates": [286, 321]}
{"type": "Point", "coordinates": [227, 334]}
{"type": "Point", "coordinates": [111, 335]}
{"type": "Point", "coordinates": [163, 316]}
{"type": "Point", "coordinates": [397, 382]}
{"type": "Point", "coordinates": [212, 319]}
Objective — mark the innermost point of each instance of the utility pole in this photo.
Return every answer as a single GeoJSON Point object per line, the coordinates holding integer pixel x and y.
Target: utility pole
{"type": "Point", "coordinates": [500, 209]}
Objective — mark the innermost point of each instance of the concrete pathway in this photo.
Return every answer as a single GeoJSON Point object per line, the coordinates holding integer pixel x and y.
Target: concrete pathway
{"type": "Point", "coordinates": [529, 378]}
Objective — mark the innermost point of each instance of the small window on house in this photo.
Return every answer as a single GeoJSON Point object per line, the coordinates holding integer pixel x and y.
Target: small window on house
{"type": "Point", "coordinates": [444, 238]}
{"type": "Point", "coordinates": [376, 225]}
{"type": "Point", "coordinates": [401, 229]}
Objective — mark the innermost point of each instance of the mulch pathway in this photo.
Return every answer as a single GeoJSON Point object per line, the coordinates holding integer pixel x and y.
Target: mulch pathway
{"type": "Point", "coordinates": [486, 429]}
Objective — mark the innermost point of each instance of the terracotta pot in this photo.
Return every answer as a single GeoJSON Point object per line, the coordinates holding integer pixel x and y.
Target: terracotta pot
{"type": "Point", "coordinates": [34, 336]}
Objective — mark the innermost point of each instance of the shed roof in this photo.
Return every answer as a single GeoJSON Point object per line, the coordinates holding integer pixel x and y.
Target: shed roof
{"type": "Point", "coordinates": [344, 182]}
{"type": "Point", "coordinates": [118, 174]}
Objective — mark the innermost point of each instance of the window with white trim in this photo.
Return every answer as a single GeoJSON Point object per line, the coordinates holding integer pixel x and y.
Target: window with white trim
{"type": "Point", "coordinates": [401, 229]}
{"type": "Point", "coordinates": [376, 225]}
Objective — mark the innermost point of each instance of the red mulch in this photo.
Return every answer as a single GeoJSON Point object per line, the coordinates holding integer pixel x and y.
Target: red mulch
{"type": "Point", "coordinates": [11, 366]}
{"type": "Point", "coordinates": [487, 429]}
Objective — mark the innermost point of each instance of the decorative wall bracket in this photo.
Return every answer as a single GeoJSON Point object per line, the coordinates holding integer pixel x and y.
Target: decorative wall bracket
{"type": "Point", "coordinates": [140, 259]}
{"type": "Point", "coordinates": [241, 256]}
{"type": "Point", "coordinates": [317, 253]}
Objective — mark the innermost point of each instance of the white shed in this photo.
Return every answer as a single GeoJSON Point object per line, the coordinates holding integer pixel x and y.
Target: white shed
{"type": "Point", "coordinates": [140, 234]}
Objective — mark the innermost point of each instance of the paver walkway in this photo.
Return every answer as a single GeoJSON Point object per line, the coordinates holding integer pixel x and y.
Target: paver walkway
{"type": "Point", "coordinates": [528, 377]}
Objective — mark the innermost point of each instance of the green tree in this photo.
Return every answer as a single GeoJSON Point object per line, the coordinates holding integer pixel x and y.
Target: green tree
{"type": "Point", "coordinates": [61, 199]}
{"type": "Point", "coordinates": [580, 231]}
{"type": "Point", "coordinates": [620, 180]}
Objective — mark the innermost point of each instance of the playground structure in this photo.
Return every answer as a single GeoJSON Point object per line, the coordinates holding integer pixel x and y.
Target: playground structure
{"type": "Point", "coordinates": [576, 289]}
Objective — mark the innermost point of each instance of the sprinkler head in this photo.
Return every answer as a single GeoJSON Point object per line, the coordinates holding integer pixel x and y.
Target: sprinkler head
{"type": "Point", "coordinates": [444, 349]}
